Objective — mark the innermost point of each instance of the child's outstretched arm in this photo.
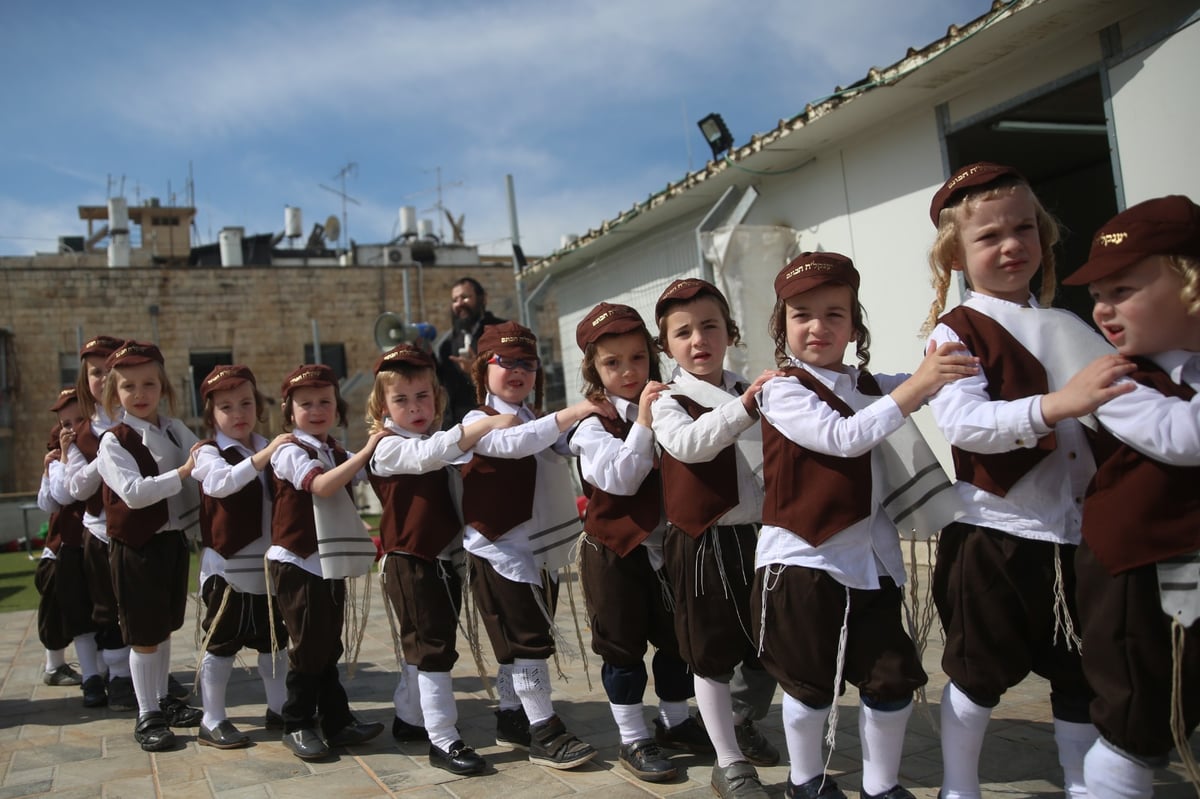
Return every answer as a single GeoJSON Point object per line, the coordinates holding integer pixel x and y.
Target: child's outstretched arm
{"type": "Point", "coordinates": [941, 365]}
{"type": "Point", "coordinates": [473, 431]}
{"type": "Point", "coordinates": [328, 483]}
{"type": "Point", "coordinates": [1090, 387]}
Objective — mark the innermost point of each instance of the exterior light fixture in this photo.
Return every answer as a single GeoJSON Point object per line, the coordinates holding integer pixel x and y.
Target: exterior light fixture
{"type": "Point", "coordinates": [716, 134]}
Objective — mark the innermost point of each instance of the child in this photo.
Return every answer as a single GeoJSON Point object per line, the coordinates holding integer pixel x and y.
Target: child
{"type": "Point", "coordinates": [312, 508]}
{"type": "Point", "coordinates": [64, 612]}
{"type": "Point", "coordinates": [1141, 519]}
{"type": "Point", "coordinates": [84, 484]}
{"type": "Point", "coordinates": [235, 527]}
{"type": "Point", "coordinates": [516, 500]}
{"type": "Point", "coordinates": [622, 557]}
{"type": "Point", "coordinates": [827, 587]}
{"type": "Point", "coordinates": [706, 425]}
{"type": "Point", "coordinates": [411, 471]}
{"type": "Point", "coordinates": [144, 461]}
{"type": "Point", "coordinates": [1022, 464]}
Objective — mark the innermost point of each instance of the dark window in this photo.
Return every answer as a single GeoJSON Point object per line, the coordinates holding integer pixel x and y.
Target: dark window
{"type": "Point", "coordinates": [332, 355]}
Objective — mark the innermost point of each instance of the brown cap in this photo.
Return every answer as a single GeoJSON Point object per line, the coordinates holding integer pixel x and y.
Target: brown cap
{"type": "Point", "coordinates": [100, 346]}
{"type": "Point", "coordinates": [971, 176]}
{"type": "Point", "coordinates": [403, 354]}
{"type": "Point", "coordinates": [811, 269]}
{"type": "Point", "coordinates": [225, 377]}
{"type": "Point", "coordinates": [508, 340]}
{"type": "Point", "coordinates": [607, 319]}
{"type": "Point", "coordinates": [684, 290]}
{"type": "Point", "coordinates": [133, 353]}
{"type": "Point", "coordinates": [1162, 226]}
{"type": "Point", "coordinates": [310, 374]}
{"type": "Point", "coordinates": [65, 398]}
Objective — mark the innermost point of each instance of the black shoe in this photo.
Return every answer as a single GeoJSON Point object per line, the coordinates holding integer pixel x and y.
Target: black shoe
{"type": "Point", "coordinates": [305, 744]}
{"type": "Point", "coordinates": [895, 792]}
{"type": "Point", "coordinates": [176, 689]}
{"type": "Point", "coordinates": [94, 694]}
{"type": "Point", "coordinates": [647, 761]}
{"type": "Point", "coordinates": [120, 694]}
{"type": "Point", "coordinates": [754, 745]}
{"type": "Point", "coordinates": [512, 729]}
{"type": "Point", "coordinates": [823, 786]}
{"type": "Point", "coordinates": [273, 721]}
{"type": "Point", "coordinates": [354, 733]}
{"type": "Point", "coordinates": [178, 713]}
{"type": "Point", "coordinates": [404, 732]}
{"type": "Point", "coordinates": [63, 675]}
{"type": "Point", "coordinates": [461, 759]}
{"type": "Point", "coordinates": [737, 780]}
{"type": "Point", "coordinates": [551, 745]}
{"type": "Point", "coordinates": [153, 734]}
{"type": "Point", "coordinates": [223, 736]}
{"type": "Point", "coordinates": [687, 736]}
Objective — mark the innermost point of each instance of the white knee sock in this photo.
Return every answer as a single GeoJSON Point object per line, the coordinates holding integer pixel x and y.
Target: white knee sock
{"type": "Point", "coordinates": [85, 650]}
{"type": "Point", "coordinates": [964, 724]}
{"type": "Point", "coordinates": [1074, 740]}
{"type": "Point", "coordinates": [272, 670]}
{"type": "Point", "coordinates": [438, 709]}
{"type": "Point", "coordinates": [1111, 775]}
{"type": "Point", "coordinates": [716, 708]}
{"type": "Point", "coordinates": [55, 658]}
{"type": "Point", "coordinates": [407, 697]}
{"type": "Point", "coordinates": [143, 668]}
{"type": "Point", "coordinates": [882, 736]}
{"type": "Point", "coordinates": [804, 733]}
{"type": "Point", "coordinates": [531, 681]}
{"type": "Point", "coordinates": [214, 679]}
{"type": "Point", "coordinates": [504, 688]}
{"type": "Point", "coordinates": [631, 722]}
{"type": "Point", "coordinates": [672, 714]}
{"type": "Point", "coordinates": [117, 661]}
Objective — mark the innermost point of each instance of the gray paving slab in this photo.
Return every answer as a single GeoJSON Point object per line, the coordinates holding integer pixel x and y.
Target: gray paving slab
{"type": "Point", "coordinates": [50, 745]}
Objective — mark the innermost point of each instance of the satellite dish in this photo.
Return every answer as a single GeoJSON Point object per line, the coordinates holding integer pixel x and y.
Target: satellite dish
{"type": "Point", "coordinates": [333, 228]}
{"type": "Point", "coordinates": [391, 329]}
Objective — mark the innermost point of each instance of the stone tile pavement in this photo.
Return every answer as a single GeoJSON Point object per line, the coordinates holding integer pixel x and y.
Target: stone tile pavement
{"type": "Point", "coordinates": [51, 746]}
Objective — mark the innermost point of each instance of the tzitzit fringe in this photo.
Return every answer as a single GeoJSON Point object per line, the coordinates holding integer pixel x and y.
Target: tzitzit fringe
{"type": "Point", "coordinates": [358, 591]}
{"type": "Point", "coordinates": [569, 578]}
{"type": "Point", "coordinates": [540, 594]}
{"type": "Point", "coordinates": [272, 598]}
{"type": "Point", "coordinates": [1062, 613]}
{"type": "Point", "coordinates": [716, 549]}
{"type": "Point", "coordinates": [1178, 724]}
{"type": "Point", "coordinates": [198, 633]}
{"type": "Point", "coordinates": [390, 612]}
{"type": "Point", "coordinates": [831, 733]}
{"type": "Point", "coordinates": [212, 628]}
{"type": "Point", "coordinates": [919, 615]}
{"type": "Point", "coordinates": [471, 629]}
{"type": "Point", "coordinates": [772, 574]}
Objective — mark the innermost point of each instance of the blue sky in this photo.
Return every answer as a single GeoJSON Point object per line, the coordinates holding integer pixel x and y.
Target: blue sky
{"type": "Point", "coordinates": [591, 106]}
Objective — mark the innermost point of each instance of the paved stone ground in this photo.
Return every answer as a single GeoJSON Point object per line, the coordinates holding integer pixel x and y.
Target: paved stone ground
{"type": "Point", "coordinates": [51, 746]}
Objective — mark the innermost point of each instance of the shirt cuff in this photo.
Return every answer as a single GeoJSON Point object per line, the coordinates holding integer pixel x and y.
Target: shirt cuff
{"type": "Point", "coordinates": [736, 415]}
{"type": "Point", "coordinates": [1022, 419]}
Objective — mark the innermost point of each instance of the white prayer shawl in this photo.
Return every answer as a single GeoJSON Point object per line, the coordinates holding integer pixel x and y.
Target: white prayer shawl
{"type": "Point", "coordinates": [170, 450]}
{"type": "Point", "coordinates": [244, 568]}
{"type": "Point", "coordinates": [918, 495]}
{"type": "Point", "coordinates": [345, 546]}
{"type": "Point", "coordinates": [1179, 587]}
{"type": "Point", "coordinates": [556, 522]}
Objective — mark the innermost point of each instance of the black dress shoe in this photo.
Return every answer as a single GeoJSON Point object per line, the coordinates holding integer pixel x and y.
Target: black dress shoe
{"type": "Point", "coordinates": [176, 689]}
{"type": "Point", "coordinates": [461, 759]}
{"type": "Point", "coordinates": [273, 721]}
{"type": "Point", "coordinates": [354, 733]}
{"type": "Point", "coordinates": [895, 792]}
{"type": "Point", "coordinates": [178, 713]}
{"type": "Point", "coordinates": [94, 694]}
{"type": "Point", "coordinates": [152, 733]}
{"type": "Point", "coordinates": [305, 744]}
{"type": "Point", "coordinates": [646, 761]}
{"type": "Point", "coordinates": [821, 786]}
{"type": "Point", "coordinates": [404, 732]}
{"type": "Point", "coordinates": [223, 736]}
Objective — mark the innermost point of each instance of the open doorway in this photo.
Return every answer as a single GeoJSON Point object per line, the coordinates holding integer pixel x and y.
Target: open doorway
{"type": "Point", "coordinates": [1058, 140]}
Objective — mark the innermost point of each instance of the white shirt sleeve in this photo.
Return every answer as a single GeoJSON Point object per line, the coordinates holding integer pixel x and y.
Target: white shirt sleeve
{"type": "Point", "coordinates": [699, 440]}
{"type": "Point", "coordinates": [83, 478]}
{"type": "Point", "coordinates": [293, 464]}
{"type": "Point", "coordinates": [970, 419]}
{"type": "Point", "coordinates": [610, 464]}
{"type": "Point", "coordinates": [1164, 428]}
{"type": "Point", "coordinates": [120, 473]}
{"type": "Point", "coordinates": [401, 455]}
{"type": "Point", "coordinates": [519, 441]}
{"type": "Point", "coordinates": [59, 491]}
{"type": "Point", "coordinates": [45, 497]}
{"type": "Point", "coordinates": [807, 420]}
{"type": "Point", "coordinates": [218, 477]}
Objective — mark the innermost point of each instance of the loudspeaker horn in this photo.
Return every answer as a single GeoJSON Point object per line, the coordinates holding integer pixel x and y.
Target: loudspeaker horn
{"type": "Point", "coordinates": [391, 329]}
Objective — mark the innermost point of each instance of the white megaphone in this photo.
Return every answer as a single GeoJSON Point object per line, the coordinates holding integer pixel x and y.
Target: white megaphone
{"type": "Point", "coordinates": [391, 329]}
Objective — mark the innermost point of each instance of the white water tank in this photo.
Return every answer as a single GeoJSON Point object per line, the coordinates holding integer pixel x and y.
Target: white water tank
{"type": "Point", "coordinates": [293, 223]}
{"type": "Point", "coordinates": [408, 220]}
{"type": "Point", "coordinates": [118, 249]}
{"type": "Point", "coordinates": [425, 228]}
{"type": "Point", "coordinates": [118, 214]}
{"type": "Point", "coordinates": [566, 240]}
{"type": "Point", "coordinates": [229, 240]}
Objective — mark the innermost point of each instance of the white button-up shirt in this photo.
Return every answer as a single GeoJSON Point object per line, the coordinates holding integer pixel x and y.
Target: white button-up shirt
{"type": "Point", "coordinates": [169, 442]}
{"type": "Point", "coordinates": [1164, 428]}
{"type": "Point", "coordinates": [219, 478]}
{"type": "Point", "coordinates": [83, 478]}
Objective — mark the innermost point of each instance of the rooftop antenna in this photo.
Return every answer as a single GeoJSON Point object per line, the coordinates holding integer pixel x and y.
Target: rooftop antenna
{"type": "Point", "coordinates": [351, 168]}
{"type": "Point", "coordinates": [441, 209]}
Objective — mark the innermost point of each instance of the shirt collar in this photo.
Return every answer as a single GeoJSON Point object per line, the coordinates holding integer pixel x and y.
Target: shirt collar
{"type": "Point", "coordinates": [400, 431]}
{"type": "Point", "coordinates": [500, 405]}
{"type": "Point", "coordinates": [305, 438]}
{"type": "Point", "coordinates": [830, 377]}
{"type": "Point", "coordinates": [728, 379]}
{"type": "Point", "coordinates": [628, 410]}
{"type": "Point", "coordinates": [224, 442]}
{"type": "Point", "coordinates": [986, 298]}
{"type": "Point", "coordinates": [1173, 362]}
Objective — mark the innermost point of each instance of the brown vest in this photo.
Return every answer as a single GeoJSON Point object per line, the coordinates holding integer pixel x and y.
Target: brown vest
{"type": "Point", "coordinates": [89, 445]}
{"type": "Point", "coordinates": [1012, 373]}
{"type": "Point", "coordinates": [622, 522]}
{"type": "Point", "coordinates": [419, 516]}
{"type": "Point", "coordinates": [228, 524]}
{"type": "Point", "coordinates": [65, 528]}
{"type": "Point", "coordinates": [1139, 510]}
{"type": "Point", "coordinates": [134, 526]}
{"type": "Point", "coordinates": [293, 525]}
{"type": "Point", "coordinates": [812, 494]}
{"type": "Point", "coordinates": [696, 495]}
{"type": "Point", "coordinates": [498, 492]}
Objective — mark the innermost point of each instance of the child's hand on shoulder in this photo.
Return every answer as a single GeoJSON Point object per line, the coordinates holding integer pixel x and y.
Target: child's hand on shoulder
{"type": "Point", "coordinates": [583, 409]}
{"type": "Point", "coordinates": [650, 394]}
{"type": "Point", "coordinates": [942, 364]}
{"type": "Point", "coordinates": [185, 471]}
{"type": "Point", "coordinates": [1090, 387]}
{"type": "Point", "coordinates": [750, 395]}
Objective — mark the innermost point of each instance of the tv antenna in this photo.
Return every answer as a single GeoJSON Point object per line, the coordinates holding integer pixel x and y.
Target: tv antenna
{"type": "Point", "coordinates": [351, 169]}
{"type": "Point", "coordinates": [441, 209]}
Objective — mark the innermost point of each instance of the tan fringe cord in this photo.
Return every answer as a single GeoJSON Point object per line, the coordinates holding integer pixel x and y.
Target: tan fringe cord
{"type": "Point", "coordinates": [569, 577]}
{"type": "Point", "coordinates": [919, 615]}
{"type": "Point", "coordinates": [1178, 725]}
{"type": "Point", "coordinates": [1062, 613]}
{"type": "Point", "coordinates": [272, 594]}
{"type": "Point", "coordinates": [211, 629]}
{"type": "Point", "coordinates": [390, 612]}
{"type": "Point", "coordinates": [831, 733]}
{"type": "Point", "coordinates": [354, 628]}
{"type": "Point", "coordinates": [471, 630]}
